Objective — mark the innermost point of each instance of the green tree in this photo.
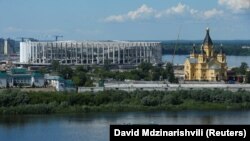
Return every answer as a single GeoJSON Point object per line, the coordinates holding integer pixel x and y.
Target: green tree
{"type": "Point", "coordinates": [156, 73]}
{"type": "Point", "coordinates": [169, 68]}
{"type": "Point", "coordinates": [106, 65]}
{"type": "Point", "coordinates": [171, 78]}
{"type": "Point", "coordinates": [79, 79]}
{"type": "Point", "coordinates": [42, 70]}
{"type": "Point", "coordinates": [248, 77]}
{"type": "Point", "coordinates": [66, 72]}
{"type": "Point", "coordinates": [170, 73]}
{"type": "Point", "coordinates": [145, 67]}
{"type": "Point", "coordinates": [89, 83]}
{"type": "Point", "coordinates": [119, 76]}
{"type": "Point", "coordinates": [7, 85]}
{"type": "Point", "coordinates": [33, 85]}
{"type": "Point", "coordinates": [243, 68]}
{"type": "Point", "coordinates": [80, 69]}
{"type": "Point", "coordinates": [55, 66]}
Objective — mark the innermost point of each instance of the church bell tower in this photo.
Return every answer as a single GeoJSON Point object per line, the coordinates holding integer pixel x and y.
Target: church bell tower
{"type": "Point", "coordinates": [208, 44]}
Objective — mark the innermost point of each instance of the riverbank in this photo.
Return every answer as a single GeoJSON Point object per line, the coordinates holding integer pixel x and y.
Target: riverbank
{"type": "Point", "coordinates": [19, 102]}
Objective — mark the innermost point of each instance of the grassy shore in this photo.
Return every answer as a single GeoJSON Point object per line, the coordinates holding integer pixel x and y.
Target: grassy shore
{"type": "Point", "coordinates": [20, 102]}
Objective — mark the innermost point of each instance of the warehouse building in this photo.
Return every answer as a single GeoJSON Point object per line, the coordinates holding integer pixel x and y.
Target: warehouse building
{"type": "Point", "coordinates": [90, 52]}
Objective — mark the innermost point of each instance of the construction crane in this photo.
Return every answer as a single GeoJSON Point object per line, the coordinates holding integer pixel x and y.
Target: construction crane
{"type": "Point", "coordinates": [58, 36]}
{"type": "Point", "coordinates": [27, 38]}
{"type": "Point", "coordinates": [22, 38]}
{"type": "Point", "coordinates": [176, 44]}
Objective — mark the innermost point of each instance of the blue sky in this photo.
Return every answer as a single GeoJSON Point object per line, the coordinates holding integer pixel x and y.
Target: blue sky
{"type": "Point", "coordinates": [125, 19]}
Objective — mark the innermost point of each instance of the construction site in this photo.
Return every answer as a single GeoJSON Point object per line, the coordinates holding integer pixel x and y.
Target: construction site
{"type": "Point", "coordinates": [89, 52]}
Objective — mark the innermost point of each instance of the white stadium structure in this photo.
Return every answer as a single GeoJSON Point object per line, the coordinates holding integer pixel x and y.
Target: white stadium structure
{"type": "Point", "coordinates": [90, 52]}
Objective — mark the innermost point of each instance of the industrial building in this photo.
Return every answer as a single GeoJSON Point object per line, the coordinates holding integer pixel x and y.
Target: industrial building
{"type": "Point", "coordinates": [90, 52]}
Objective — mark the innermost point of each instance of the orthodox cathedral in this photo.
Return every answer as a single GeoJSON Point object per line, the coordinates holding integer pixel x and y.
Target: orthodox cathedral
{"type": "Point", "coordinates": [206, 65]}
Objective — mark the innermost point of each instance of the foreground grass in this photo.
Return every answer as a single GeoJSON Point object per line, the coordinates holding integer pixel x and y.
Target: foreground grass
{"type": "Point", "coordinates": [19, 102]}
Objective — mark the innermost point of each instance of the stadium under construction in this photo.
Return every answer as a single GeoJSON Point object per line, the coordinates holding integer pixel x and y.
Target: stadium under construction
{"type": "Point", "coordinates": [90, 52]}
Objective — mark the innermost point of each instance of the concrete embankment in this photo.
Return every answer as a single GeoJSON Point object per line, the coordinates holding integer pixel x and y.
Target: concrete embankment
{"type": "Point", "coordinates": [165, 87]}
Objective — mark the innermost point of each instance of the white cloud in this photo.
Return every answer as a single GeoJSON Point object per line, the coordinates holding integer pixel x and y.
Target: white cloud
{"type": "Point", "coordinates": [115, 18]}
{"type": "Point", "coordinates": [11, 29]}
{"type": "Point", "coordinates": [145, 12]}
{"type": "Point", "coordinates": [236, 5]}
{"type": "Point", "coordinates": [212, 13]}
{"type": "Point", "coordinates": [179, 9]}
{"type": "Point", "coordinates": [175, 10]}
{"type": "Point", "coordinates": [205, 15]}
{"type": "Point", "coordinates": [193, 11]}
{"type": "Point", "coordinates": [142, 12]}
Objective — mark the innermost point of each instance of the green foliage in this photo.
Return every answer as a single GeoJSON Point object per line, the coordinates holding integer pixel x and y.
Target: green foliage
{"type": "Point", "coordinates": [150, 100]}
{"type": "Point", "coordinates": [106, 65]}
{"type": "Point", "coordinates": [79, 78]}
{"type": "Point", "coordinates": [243, 68]}
{"type": "Point", "coordinates": [7, 85]}
{"type": "Point", "coordinates": [66, 72]}
{"type": "Point", "coordinates": [82, 76]}
{"type": "Point", "coordinates": [81, 69]}
{"type": "Point", "coordinates": [172, 99]}
{"type": "Point", "coordinates": [145, 71]}
{"type": "Point", "coordinates": [89, 83]}
{"type": "Point", "coordinates": [145, 67]}
{"type": "Point", "coordinates": [13, 98]}
{"type": "Point", "coordinates": [17, 102]}
{"type": "Point", "coordinates": [169, 72]}
{"type": "Point", "coordinates": [33, 85]}
{"type": "Point", "coordinates": [248, 77]}
{"type": "Point", "coordinates": [43, 70]}
{"type": "Point", "coordinates": [55, 66]}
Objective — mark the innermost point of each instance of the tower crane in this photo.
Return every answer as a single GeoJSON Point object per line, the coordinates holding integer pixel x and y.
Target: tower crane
{"type": "Point", "coordinates": [57, 36]}
{"type": "Point", "coordinates": [176, 44]}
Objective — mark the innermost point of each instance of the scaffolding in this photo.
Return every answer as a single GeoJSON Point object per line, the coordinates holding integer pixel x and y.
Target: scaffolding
{"type": "Point", "coordinates": [90, 52]}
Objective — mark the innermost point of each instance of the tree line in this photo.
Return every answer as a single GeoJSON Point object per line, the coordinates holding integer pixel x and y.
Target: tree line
{"type": "Point", "coordinates": [243, 70]}
{"type": "Point", "coordinates": [184, 48]}
{"type": "Point", "coordinates": [18, 102]}
{"type": "Point", "coordinates": [85, 76]}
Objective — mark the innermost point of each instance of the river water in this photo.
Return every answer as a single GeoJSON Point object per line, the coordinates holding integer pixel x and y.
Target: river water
{"type": "Point", "coordinates": [232, 61]}
{"type": "Point", "coordinates": [95, 126]}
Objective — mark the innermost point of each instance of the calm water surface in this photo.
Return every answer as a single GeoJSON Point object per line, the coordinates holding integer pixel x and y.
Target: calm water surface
{"type": "Point", "coordinates": [232, 61]}
{"type": "Point", "coordinates": [95, 127]}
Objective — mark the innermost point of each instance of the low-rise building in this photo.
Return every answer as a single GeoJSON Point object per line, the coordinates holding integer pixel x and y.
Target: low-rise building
{"type": "Point", "coordinates": [37, 80]}
{"type": "Point", "coordinates": [18, 77]}
{"type": "Point", "coordinates": [59, 83]}
{"type": "Point", "coordinates": [3, 80]}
